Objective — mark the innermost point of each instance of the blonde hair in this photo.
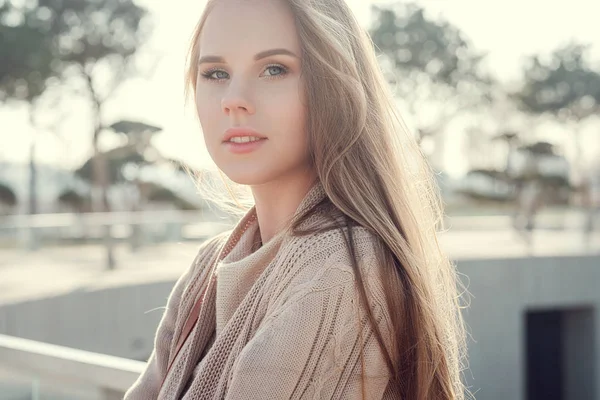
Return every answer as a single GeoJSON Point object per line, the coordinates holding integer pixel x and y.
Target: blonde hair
{"type": "Point", "coordinates": [376, 176]}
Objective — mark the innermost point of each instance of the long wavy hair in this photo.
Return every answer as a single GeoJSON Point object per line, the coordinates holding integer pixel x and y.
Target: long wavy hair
{"type": "Point", "coordinates": [375, 176]}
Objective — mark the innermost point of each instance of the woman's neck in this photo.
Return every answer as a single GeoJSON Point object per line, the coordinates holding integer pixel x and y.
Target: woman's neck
{"type": "Point", "coordinates": [277, 202]}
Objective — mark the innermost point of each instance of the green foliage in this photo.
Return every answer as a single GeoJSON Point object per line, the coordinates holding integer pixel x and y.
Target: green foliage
{"type": "Point", "coordinates": [565, 85]}
{"type": "Point", "coordinates": [26, 54]}
{"type": "Point", "coordinates": [417, 44]}
{"type": "Point", "coordinates": [129, 127]}
{"type": "Point", "coordinates": [159, 193]}
{"type": "Point", "coordinates": [117, 160]}
{"type": "Point", "coordinates": [137, 152]}
{"type": "Point", "coordinates": [87, 31]}
{"type": "Point", "coordinates": [7, 195]}
{"type": "Point", "coordinates": [430, 64]}
{"type": "Point", "coordinates": [137, 133]}
{"type": "Point", "coordinates": [41, 39]}
{"type": "Point", "coordinates": [74, 200]}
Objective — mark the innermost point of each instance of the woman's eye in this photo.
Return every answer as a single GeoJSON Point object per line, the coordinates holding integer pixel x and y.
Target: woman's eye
{"type": "Point", "coordinates": [215, 75]}
{"type": "Point", "coordinates": [221, 74]}
{"type": "Point", "coordinates": [271, 72]}
{"type": "Point", "coordinates": [273, 69]}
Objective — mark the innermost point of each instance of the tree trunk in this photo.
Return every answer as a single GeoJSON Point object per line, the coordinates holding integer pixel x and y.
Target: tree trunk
{"type": "Point", "coordinates": [100, 182]}
{"type": "Point", "coordinates": [33, 193]}
{"type": "Point", "coordinates": [32, 205]}
{"type": "Point", "coordinates": [32, 180]}
{"type": "Point", "coordinates": [579, 165]}
{"type": "Point", "coordinates": [136, 228]}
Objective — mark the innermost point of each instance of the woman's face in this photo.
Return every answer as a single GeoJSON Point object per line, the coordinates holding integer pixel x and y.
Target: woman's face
{"type": "Point", "coordinates": [249, 76]}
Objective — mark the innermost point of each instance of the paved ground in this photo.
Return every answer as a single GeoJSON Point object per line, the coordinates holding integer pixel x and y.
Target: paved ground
{"type": "Point", "coordinates": [55, 270]}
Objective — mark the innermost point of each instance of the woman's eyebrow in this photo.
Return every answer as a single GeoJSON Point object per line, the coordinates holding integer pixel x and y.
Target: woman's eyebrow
{"type": "Point", "coordinates": [259, 56]}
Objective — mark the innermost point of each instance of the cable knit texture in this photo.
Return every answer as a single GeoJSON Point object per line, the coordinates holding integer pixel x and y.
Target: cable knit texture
{"type": "Point", "coordinates": [282, 322]}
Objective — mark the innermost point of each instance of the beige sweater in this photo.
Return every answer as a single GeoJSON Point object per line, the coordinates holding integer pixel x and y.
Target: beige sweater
{"type": "Point", "coordinates": [279, 323]}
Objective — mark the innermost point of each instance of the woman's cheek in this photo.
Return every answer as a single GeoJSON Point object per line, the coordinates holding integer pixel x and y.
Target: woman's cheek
{"type": "Point", "coordinates": [207, 114]}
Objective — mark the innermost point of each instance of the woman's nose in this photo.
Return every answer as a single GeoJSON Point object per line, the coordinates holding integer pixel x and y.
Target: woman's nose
{"type": "Point", "coordinates": [235, 100]}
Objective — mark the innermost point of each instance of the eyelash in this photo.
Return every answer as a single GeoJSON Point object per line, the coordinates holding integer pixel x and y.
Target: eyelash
{"type": "Point", "coordinates": [206, 75]}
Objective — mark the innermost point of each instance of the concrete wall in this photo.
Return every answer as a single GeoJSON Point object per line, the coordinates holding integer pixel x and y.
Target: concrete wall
{"type": "Point", "coordinates": [502, 292]}
{"type": "Point", "coordinates": [122, 321]}
{"type": "Point", "coordinates": [118, 321]}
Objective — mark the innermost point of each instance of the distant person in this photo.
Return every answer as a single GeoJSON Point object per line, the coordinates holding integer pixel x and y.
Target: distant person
{"type": "Point", "coordinates": [332, 285]}
{"type": "Point", "coordinates": [529, 201]}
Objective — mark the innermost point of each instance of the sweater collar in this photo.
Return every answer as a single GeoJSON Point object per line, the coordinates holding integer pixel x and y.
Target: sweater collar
{"type": "Point", "coordinates": [246, 230]}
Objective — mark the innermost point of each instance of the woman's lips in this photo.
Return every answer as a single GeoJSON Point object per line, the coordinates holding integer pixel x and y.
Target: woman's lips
{"type": "Point", "coordinates": [239, 131]}
{"type": "Point", "coordinates": [244, 148]}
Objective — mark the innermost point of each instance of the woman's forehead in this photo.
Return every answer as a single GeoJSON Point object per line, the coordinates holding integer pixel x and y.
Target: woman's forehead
{"type": "Point", "coordinates": [249, 25]}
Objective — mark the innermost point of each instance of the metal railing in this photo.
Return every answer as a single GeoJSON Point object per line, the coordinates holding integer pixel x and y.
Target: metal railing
{"type": "Point", "coordinates": [569, 217]}
{"type": "Point", "coordinates": [147, 227]}
{"type": "Point", "coordinates": [138, 228]}
{"type": "Point", "coordinates": [98, 219]}
{"type": "Point", "coordinates": [111, 376]}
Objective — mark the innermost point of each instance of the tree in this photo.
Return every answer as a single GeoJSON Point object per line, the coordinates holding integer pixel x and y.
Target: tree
{"type": "Point", "coordinates": [564, 86]}
{"type": "Point", "coordinates": [27, 71]}
{"type": "Point", "coordinates": [8, 199]}
{"type": "Point", "coordinates": [91, 43]}
{"type": "Point", "coordinates": [123, 163]}
{"type": "Point", "coordinates": [96, 41]}
{"type": "Point", "coordinates": [431, 64]}
{"type": "Point", "coordinates": [127, 163]}
{"type": "Point", "coordinates": [135, 166]}
{"type": "Point", "coordinates": [26, 51]}
{"type": "Point", "coordinates": [73, 200]}
{"type": "Point", "coordinates": [116, 160]}
{"type": "Point", "coordinates": [160, 193]}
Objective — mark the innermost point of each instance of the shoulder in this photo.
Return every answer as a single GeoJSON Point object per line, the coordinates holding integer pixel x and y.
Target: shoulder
{"type": "Point", "coordinates": [195, 274]}
{"type": "Point", "coordinates": [322, 277]}
{"type": "Point", "coordinates": [207, 252]}
{"type": "Point", "coordinates": [330, 249]}
{"type": "Point", "coordinates": [322, 262]}
{"type": "Point", "coordinates": [213, 244]}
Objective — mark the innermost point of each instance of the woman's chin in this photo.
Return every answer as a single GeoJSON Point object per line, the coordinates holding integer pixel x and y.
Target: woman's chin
{"type": "Point", "coordinates": [245, 176]}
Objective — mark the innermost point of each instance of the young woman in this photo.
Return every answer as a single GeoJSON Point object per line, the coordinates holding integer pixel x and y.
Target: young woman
{"type": "Point", "coordinates": [332, 285]}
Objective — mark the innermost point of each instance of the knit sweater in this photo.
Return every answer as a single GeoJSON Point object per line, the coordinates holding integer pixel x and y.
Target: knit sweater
{"type": "Point", "coordinates": [283, 322]}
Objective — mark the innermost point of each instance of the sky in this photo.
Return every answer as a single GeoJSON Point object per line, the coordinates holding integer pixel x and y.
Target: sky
{"type": "Point", "coordinates": [507, 31]}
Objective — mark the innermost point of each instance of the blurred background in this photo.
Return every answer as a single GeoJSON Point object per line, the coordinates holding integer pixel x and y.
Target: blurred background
{"type": "Point", "coordinates": [98, 216]}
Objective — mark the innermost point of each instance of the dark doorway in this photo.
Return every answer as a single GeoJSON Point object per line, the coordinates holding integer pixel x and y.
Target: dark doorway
{"type": "Point", "coordinates": [544, 356]}
{"type": "Point", "coordinates": [560, 349]}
